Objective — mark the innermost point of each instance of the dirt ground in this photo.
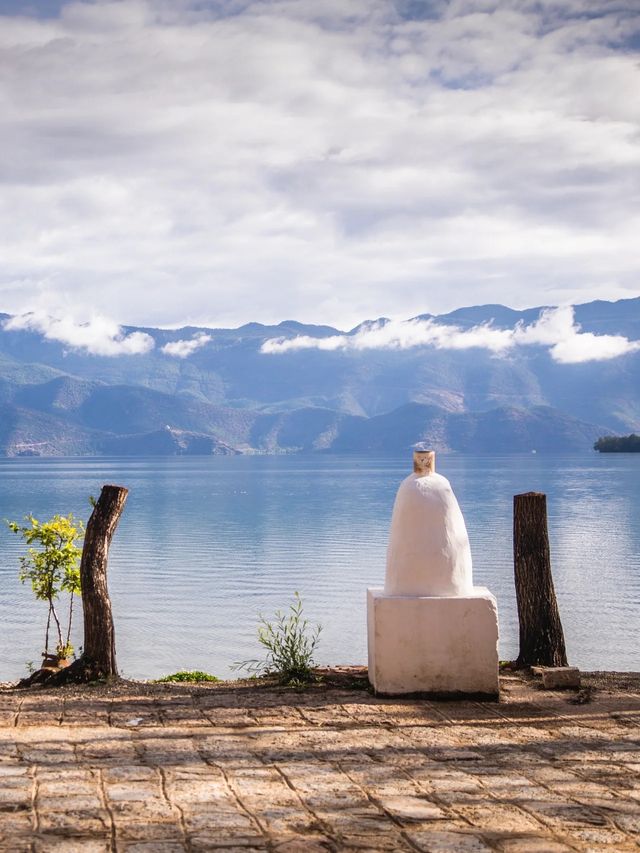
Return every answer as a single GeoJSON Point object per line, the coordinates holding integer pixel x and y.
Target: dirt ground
{"type": "Point", "coordinates": [250, 766]}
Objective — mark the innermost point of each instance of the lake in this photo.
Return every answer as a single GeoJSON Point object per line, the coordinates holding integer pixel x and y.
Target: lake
{"type": "Point", "coordinates": [206, 543]}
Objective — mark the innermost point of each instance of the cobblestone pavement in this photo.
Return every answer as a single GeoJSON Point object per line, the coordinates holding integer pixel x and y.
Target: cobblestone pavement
{"type": "Point", "coordinates": [247, 769]}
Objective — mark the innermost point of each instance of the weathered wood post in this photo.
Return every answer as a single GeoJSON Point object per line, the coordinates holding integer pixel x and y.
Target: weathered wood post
{"type": "Point", "coordinates": [99, 650]}
{"type": "Point", "coordinates": [98, 659]}
{"type": "Point", "coordinates": [541, 635]}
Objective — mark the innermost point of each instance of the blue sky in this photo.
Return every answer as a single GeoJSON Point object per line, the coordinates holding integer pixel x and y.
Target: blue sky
{"type": "Point", "coordinates": [218, 162]}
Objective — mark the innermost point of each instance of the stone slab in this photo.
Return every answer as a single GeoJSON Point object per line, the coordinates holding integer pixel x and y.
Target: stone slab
{"type": "Point", "coordinates": [357, 772]}
{"type": "Point", "coordinates": [433, 645]}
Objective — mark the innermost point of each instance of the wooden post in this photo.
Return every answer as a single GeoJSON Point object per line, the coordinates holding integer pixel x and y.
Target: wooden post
{"type": "Point", "coordinates": [541, 635]}
{"type": "Point", "coordinates": [99, 650]}
{"type": "Point", "coordinates": [98, 659]}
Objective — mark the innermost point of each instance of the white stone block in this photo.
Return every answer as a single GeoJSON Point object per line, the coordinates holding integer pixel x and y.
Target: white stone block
{"type": "Point", "coordinates": [429, 644]}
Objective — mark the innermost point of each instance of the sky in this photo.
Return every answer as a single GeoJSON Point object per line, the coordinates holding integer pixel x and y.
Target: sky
{"type": "Point", "coordinates": [214, 162]}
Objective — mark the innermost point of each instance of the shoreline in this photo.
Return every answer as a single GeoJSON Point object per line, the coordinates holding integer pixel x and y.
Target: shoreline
{"type": "Point", "coordinates": [327, 678]}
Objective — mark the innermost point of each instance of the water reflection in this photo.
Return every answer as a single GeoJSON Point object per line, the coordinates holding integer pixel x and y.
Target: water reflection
{"type": "Point", "coordinates": [205, 543]}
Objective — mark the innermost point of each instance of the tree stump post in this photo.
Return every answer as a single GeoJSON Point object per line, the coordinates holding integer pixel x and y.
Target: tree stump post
{"type": "Point", "coordinates": [541, 635]}
{"type": "Point", "coordinates": [99, 650]}
{"type": "Point", "coordinates": [98, 659]}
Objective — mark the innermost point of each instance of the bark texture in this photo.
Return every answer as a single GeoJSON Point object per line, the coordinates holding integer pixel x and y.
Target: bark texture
{"type": "Point", "coordinates": [541, 635]}
{"type": "Point", "coordinates": [98, 658]}
{"type": "Point", "coordinates": [99, 650]}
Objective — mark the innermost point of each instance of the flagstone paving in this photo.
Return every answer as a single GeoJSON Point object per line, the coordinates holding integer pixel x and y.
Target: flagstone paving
{"type": "Point", "coordinates": [155, 769]}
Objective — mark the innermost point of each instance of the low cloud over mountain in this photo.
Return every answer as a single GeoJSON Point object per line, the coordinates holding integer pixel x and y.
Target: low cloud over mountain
{"type": "Point", "coordinates": [556, 329]}
{"type": "Point", "coordinates": [183, 349]}
{"type": "Point", "coordinates": [98, 336]}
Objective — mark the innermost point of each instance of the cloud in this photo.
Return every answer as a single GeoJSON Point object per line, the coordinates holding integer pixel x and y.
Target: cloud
{"type": "Point", "coordinates": [184, 348]}
{"type": "Point", "coordinates": [394, 334]}
{"type": "Point", "coordinates": [326, 161]}
{"type": "Point", "coordinates": [555, 328]}
{"type": "Point", "coordinates": [98, 336]}
{"type": "Point", "coordinates": [585, 346]}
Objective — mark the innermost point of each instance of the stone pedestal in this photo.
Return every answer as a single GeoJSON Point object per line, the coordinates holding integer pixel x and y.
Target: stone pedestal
{"type": "Point", "coordinates": [433, 644]}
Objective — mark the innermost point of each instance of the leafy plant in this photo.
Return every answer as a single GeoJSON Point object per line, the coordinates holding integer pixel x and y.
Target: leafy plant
{"type": "Point", "coordinates": [188, 675]}
{"type": "Point", "coordinates": [52, 566]}
{"type": "Point", "coordinates": [290, 644]}
{"type": "Point", "coordinates": [65, 650]}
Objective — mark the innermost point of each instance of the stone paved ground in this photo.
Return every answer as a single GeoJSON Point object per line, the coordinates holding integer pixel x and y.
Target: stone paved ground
{"type": "Point", "coordinates": [167, 770]}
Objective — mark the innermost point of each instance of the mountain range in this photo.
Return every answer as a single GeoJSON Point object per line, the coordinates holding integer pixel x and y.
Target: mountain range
{"type": "Point", "coordinates": [296, 387]}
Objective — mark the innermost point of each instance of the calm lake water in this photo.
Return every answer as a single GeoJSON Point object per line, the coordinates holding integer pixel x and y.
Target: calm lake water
{"type": "Point", "coordinates": [205, 544]}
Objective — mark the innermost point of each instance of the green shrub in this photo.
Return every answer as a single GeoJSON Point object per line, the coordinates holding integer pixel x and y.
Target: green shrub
{"type": "Point", "coordinates": [188, 675]}
{"type": "Point", "coordinates": [52, 567]}
{"type": "Point", "coordinates": [290, 644]}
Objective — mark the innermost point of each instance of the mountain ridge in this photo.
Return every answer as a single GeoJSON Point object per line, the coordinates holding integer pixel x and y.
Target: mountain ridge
{"type": "Point", "coordinates": [228, 393]}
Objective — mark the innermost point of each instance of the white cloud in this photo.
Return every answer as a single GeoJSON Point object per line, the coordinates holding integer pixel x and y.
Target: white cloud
{"type": "Point", "coordinates": [327, 161]}
{"type": "Point", "coordinates": [553, 325]}
{"type": "Point", "coordinates": [98, 336]}
{"type": "Point", "coordinates": [586, 346]}
{"type": "Point", "coordinates": [184, 348]}
{"type": "Point", "coordinates": [394, 334]}
{"type": "Point", "coordinates": [568, 344]}
{"type": "Point", "coordinates": [556, 329]}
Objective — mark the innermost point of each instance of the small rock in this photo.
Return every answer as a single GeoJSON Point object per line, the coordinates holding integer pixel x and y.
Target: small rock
{"type": "Point", "coordinates": [560, 677]}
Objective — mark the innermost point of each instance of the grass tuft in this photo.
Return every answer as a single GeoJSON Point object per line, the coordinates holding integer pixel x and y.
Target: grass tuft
{"type": "Point", "coordinates": [187, 675]}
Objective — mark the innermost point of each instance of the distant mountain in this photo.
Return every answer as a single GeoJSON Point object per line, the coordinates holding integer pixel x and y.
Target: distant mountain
{"type": "Point", "coordinates": [227, 395]}
{"type": "Point", "coordinates": [136, 425]}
